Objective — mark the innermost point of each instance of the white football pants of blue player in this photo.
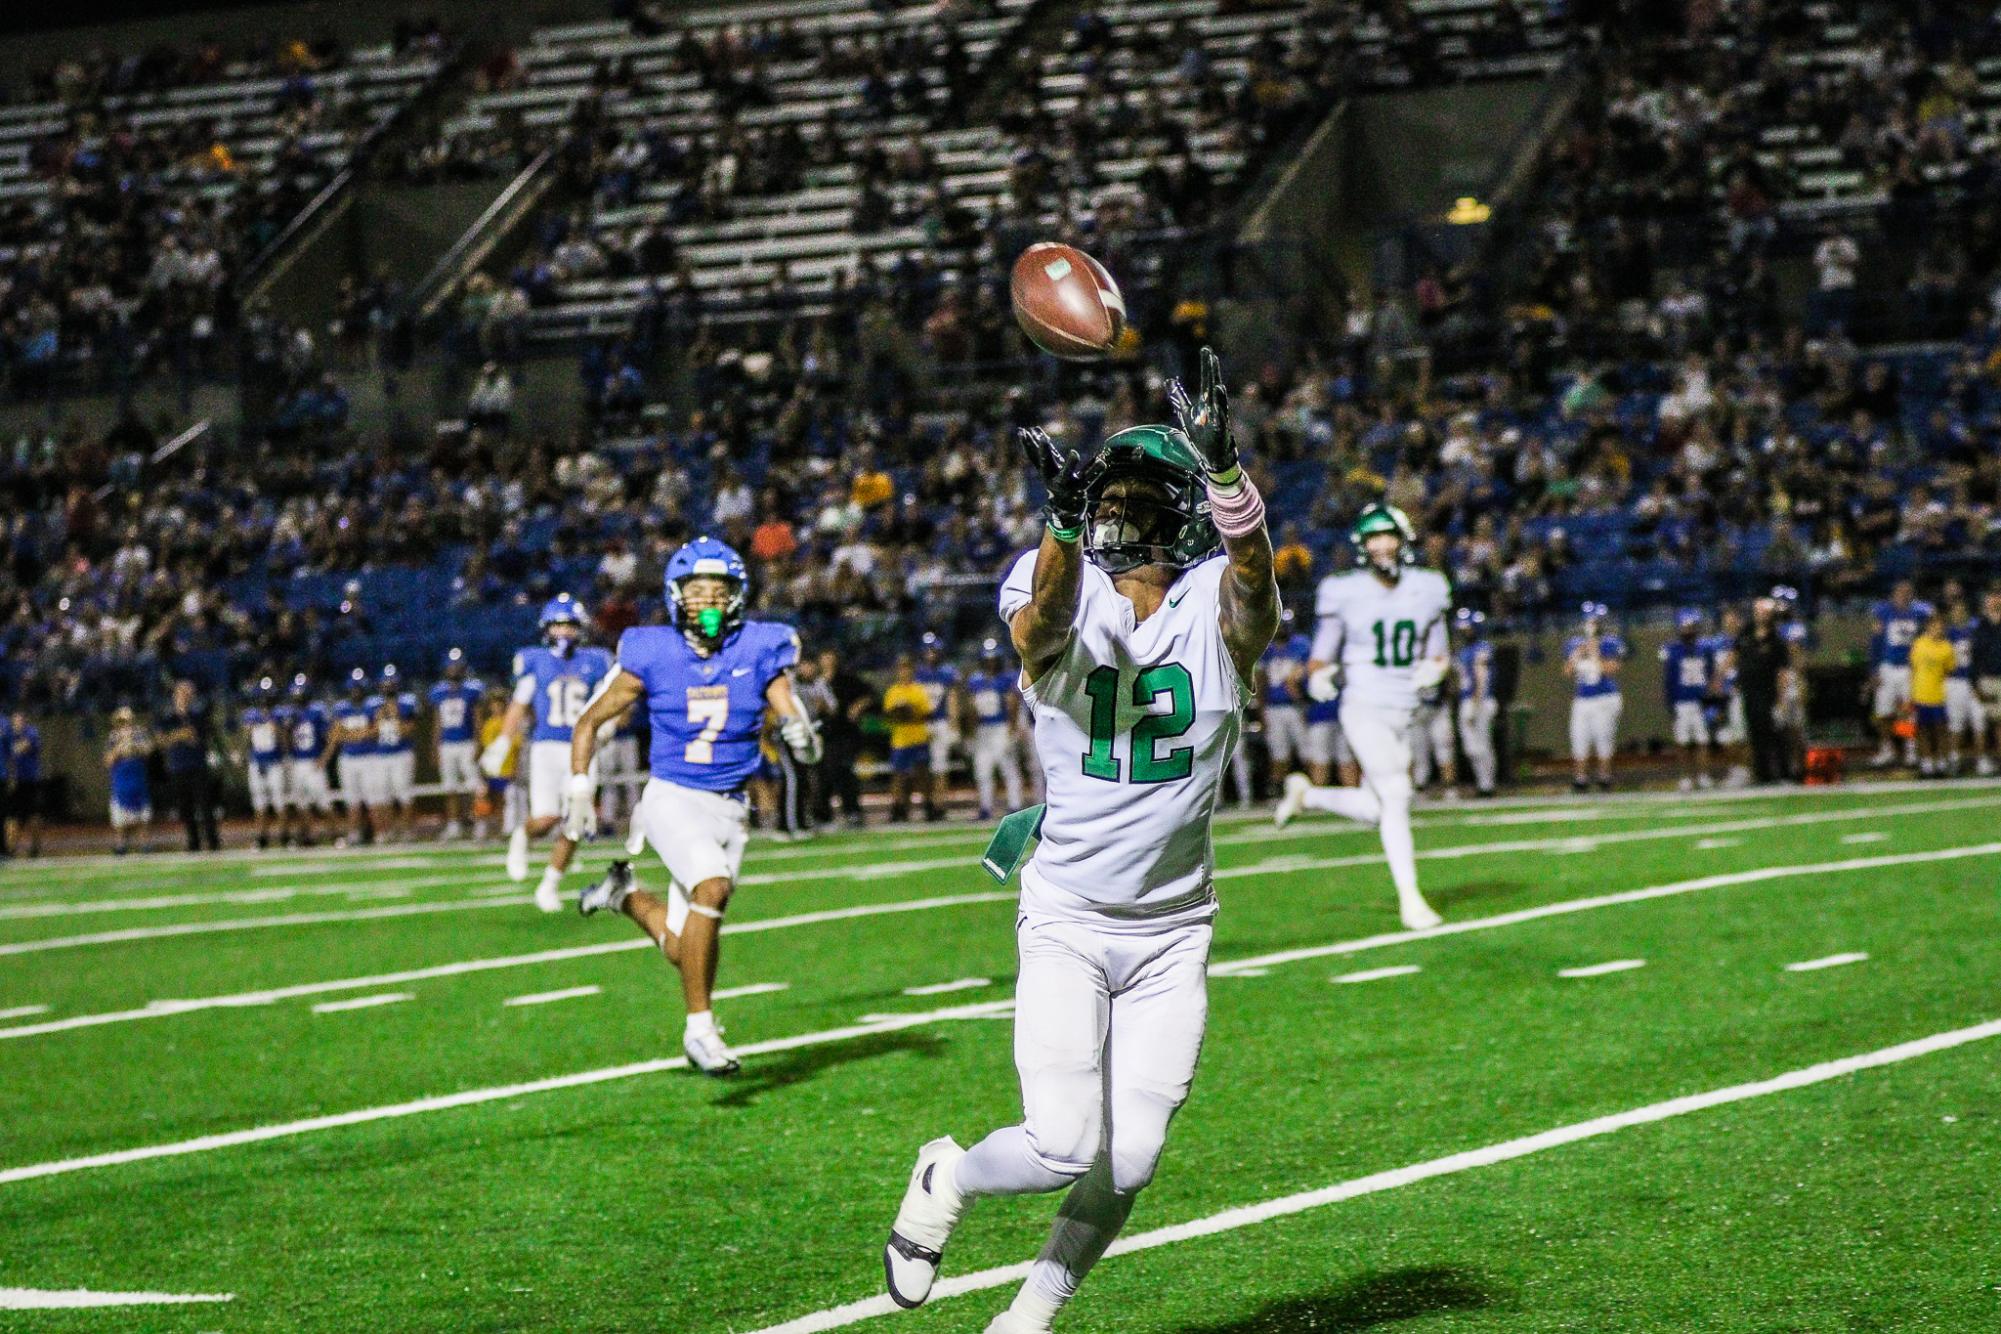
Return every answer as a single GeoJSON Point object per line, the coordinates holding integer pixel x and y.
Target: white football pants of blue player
{"type": "Point", "coordinates": [1594, 729]}
{"type": "Point", "coordinates": [1285, 737]}
{"type": "Point", "coordinates": [1380, 739]}
{"type": "Point", "coordinates": [1434, 749]}
{"type": "Point", "coordinates": [1107, 1029]}
{"type": "Point", "coordinates": [700, 836]}
{"type": "Point", "coordinates": [1476, 738]}
{"type": "Point", "coordinates": [267, 788]}
{"type": "Point", "coordinates": [995, 753]}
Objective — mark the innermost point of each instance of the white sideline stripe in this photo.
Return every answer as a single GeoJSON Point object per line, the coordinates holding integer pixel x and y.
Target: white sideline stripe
{"type": "Point", "coordinates": [1712, 844]}
{"type": "Point", "coordinates": [74, 1299]}
{"type": "Point", "coordinates": [425, 909]}
{"type": "Point", "coordinates": [1867, 836]}
{"type": "Point", "coordinates": [363, 1002]}
{"type": "Point", "coordinates": [1600, 969]}
{"type": "Point", "coordinates": [545, 997]}
{"type": "Point", "coordinates": [942, 988]}
{"type": "Point", "coordinates": [749, 989]}
{"type": "Point", "coordinates": [1601, 901]}
{"type": "Point", "coordinates": [1301, 863]}
{"type": "Point", "coordinates": [160, 1009]}
{"type": "Point", "coordinates": [1284, 1206]}
{"type": "Point", "coordinates": [271, 894]}
{"type": "Point", "coordinates": [473, 1097]}
{"type": "Point", "coordinates": [326, 864]}
{"type": "Point", "coordinates": [1831, 961]}
{"type": "Point", "coordinates": [1378, 974]}
{"type": "Point", "coordinates": [1243, 972]}
{"type": "Point", "coordinates": [23, 1011]}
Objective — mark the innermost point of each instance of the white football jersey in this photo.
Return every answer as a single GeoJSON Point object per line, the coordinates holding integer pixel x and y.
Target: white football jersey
{"type": "Point", "coordinates": [1134, 725]}
{"type": "Point", "coordinates": [1379, 632]}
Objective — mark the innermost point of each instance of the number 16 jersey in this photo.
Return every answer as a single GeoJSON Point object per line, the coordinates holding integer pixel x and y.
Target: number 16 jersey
{"type": "Point", "coordinates": [558, 687]}
{"type": "Point", "coordinates": [1134, 723]}
{"type": "Point", "coordinates": [1378, 632]}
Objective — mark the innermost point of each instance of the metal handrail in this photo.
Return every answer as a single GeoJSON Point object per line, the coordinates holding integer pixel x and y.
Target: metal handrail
{"type": "Point", "coordinates": [432, 287]}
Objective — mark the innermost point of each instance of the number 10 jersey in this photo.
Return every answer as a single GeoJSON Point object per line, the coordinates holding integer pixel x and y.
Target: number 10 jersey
{"type": "Point", "coordinates": [1134, 724]}
{"type": "Point", "coordinates": [1378, 632]}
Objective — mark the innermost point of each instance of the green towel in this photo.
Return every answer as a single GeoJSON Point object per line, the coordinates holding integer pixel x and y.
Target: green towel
{"type": "Point", "coordinates": [1008, 848]}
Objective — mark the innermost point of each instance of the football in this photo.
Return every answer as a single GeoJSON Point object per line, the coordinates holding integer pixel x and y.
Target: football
{"type": "Point", "coordinates": [1066, 303]}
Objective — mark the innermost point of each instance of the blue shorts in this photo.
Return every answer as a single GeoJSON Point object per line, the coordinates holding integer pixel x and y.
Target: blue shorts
{"type": "Point", "coordinates": [909, 759]}
{"type": "Point", "coordinates": [1931, 715]}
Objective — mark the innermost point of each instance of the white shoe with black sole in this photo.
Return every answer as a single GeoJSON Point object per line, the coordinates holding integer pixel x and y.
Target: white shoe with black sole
{"type": "Point", "coordinates": [931, 1209]}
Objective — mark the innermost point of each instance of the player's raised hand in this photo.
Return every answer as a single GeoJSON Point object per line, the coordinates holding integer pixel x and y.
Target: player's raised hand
{"type": "Point", "coordinates": [1062, 472]}
{"type": "Point", "coordinates": [1206, 420]}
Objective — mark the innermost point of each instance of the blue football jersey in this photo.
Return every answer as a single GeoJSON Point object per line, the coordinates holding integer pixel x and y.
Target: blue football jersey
{"type": "Point", "coordinates": [395, 722]}
{"type": "Point", "coordinates": [1891, 646]}
{"type": "Point", "coordinates": [1961, 638]}
{"type": "Point", "coordinates": [306, 727]}
{"type": "Point", "coordinates": [1611, 648]}
{"type": "Point", "coordinates": [454, 705]}
{"type": "Point", "coordinates": [24, 754]}
{"type": "Point", "coordinates": [706, 713]}
{"type": "Point", "coordinates": [350, 721]}
{"type": "Point", "coordinates": [938, 682]}
{"type": "Point", "coordinates": [1285, 670]}
{"type": "Point", "coordinates": [1480, 653]}
{"type": "Point", "coordinates": [562, 687]}
{"type": "Point", "coordinates": [1686, 671]}
{"type": "Point", "coordinates": [267, 736]}
{"type": "Point", "coordinates": [989, 692]}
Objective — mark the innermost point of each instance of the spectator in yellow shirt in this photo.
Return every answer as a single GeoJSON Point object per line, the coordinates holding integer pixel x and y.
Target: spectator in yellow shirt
{"type": "Point", "coordinates": [872, 486]}
{"type": "Point", "coordinates": [908, 706]}
{"type": "Point", "coordinates": [1931, 663]}
{"type": "Point", "coordinates": [503, 796]}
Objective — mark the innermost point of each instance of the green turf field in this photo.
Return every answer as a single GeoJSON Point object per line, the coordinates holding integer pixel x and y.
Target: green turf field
{"type": "Point", "coordinates": [179, 1113]}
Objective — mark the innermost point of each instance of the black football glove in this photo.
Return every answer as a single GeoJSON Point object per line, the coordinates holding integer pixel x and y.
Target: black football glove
{"type": "Point", "coordinates": [1062, 472]}
{"type": "Point", "coordinates": [1206, 422]}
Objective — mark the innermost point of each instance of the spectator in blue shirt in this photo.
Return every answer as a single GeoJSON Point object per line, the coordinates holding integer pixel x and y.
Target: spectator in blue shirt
{"type": "Point", "coordinates": [24, 799]}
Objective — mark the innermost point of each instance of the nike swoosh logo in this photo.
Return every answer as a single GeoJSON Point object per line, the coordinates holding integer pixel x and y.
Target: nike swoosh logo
{"type": "Point", "coordinates": [1175, 601]}
{"type": "Point", "coordinates": [741, 671]}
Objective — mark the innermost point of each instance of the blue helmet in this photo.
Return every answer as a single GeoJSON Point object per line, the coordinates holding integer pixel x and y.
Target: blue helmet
{"type": "Point", "coordinates": [389, 676]}
{"type": "Point", "coordinates": [358, 679]}
{"type": "Point", "coordinates": [1786, 596]}
{"type": "Point", "coordinates": [1595, 611]}
{"type": "Point", "coordinates": [705, 557]}
{"type": "Point", "coordinates": [265, 690]}
{"type": "Point", "coordinates": [1688, 618]}
{"type": "Point", "coordinates": [990, 650]}
{"type": "Point", "coordinates": [1469, 621]}
{"type": "Point", "coordinates": [930, 643]}
{"type": "Point", "coordinates": [455, 660]}
{"type": "Point", "coordinates": [301, 686]}
{"type": "Point", "coordinates": [562, 609]}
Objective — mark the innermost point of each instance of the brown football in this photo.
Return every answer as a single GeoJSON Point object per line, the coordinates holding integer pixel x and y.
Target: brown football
{"type": "Point", "coordinates": [1066, 303]}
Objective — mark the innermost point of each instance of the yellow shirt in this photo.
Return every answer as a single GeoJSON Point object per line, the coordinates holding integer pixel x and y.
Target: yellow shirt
{"type": "Point", "coordinates": [490, 729]}
{"type": "Point", "coordinates": [909, 695]}
{"type": "Point", "coordinates": [1931, 663]}
{"type": "Point", "coordinates": [871, 489]}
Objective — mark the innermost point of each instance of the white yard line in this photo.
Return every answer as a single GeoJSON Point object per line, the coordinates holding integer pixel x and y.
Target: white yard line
{"type": "Point", "coordinates": [1831, 961]}
{"type": "Point", "coordinates": [363, 1002]}
{"type": "Point", "coordinates": [750, 989]}
{"type": "Point", "coordinates": [1867, 836]}
{"type": "Point", "coordinates": [1285, 1206]}
{"type": "Point", "coordinates": [274, 894]}
{"type": "Point", "coordinates": [1713, 844]}
{"type": "Point", "coordinates": [1601, 969]}
{"type": "Point", "coordinates": [76, 1299]}
{"type": "Point", "coordinates": [23, 1011]}
{"type": "Point", "coordinates": [1377, 974]}
{"type": "Point", "coordinates": [945, 988]}
{"type": "Point", "coordinates": [547, 997]}
{"type": "Point", "coordinates": [1595, 901]}
{"type": "Point", "coordinates": [472, 1097]}
{"type": "Point", "coordinates": [234, 1000]}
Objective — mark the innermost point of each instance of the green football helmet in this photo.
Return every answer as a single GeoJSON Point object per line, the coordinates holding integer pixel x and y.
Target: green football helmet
{"type": "Point", "coordinates": [1379, 517]}
{"type": "Point", "coordinates": [1163, 522]}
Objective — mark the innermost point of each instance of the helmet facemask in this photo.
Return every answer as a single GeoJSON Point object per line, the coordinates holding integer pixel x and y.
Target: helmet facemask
{"type": "Point", "coordinates": [562, 637]}
{"type": "Point", "coordinates": [1145, 518]}
{"type": "Point", "coordinates": [1385, 553]}
{"type": "Point", "coordinates": [708, 608]}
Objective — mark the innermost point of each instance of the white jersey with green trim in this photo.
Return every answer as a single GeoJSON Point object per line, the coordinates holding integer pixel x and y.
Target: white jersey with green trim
{"type": "Point", "coordinates": [1379, 632]}
{"type": "Point", "coordinates": [1134, 724]}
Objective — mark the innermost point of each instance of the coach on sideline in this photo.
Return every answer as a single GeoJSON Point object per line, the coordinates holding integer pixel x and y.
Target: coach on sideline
{"type": "Point", "coordinates": [1761, 654]}
{"type": "Point", "coordinates": [1986, 651]}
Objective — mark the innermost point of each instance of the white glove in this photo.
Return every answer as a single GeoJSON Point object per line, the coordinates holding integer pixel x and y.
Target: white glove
{"type": "Point", "coordinates": [580, 807]}
{"type": "Point", "coordinates": [802, 738]}
{"type": "Point", "coordinates": [1324, 684]}
{"type": "Point", "coordinates": [494, 758]}
{"type": "Point", "coordinates": [1428, 673]}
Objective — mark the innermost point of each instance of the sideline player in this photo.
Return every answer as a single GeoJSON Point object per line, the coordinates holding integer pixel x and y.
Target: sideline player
{"type": "Point", "coordinates": [264, 758]}
{"type": "Point", "coordinates": [995, 711]}
{"type": "Point", "coordinates": [1282, 687]}
{"type": "Point", "coordinates": [1137, 639]}
{"type": "Point", "coordinates": [940, 680]}
{"type": "Point", "coordinates": [707, 678]}
{"type": "Point", "coordinates": [1898, 621]}
{"type": "Point", "coordinates": [309, 746]}
{"type": "Point", "coordinates": [1965, 716]}
{"type": "Point", "coordinates": [1478, 706]}
{"type": "Point", "coordinates": [1688, 679]}
{"type": "Point", "coordinates": [553, 684]}
{"type": "Point", "coordinates": [454, 714]}
{"type": "Point", "coordinates": [396, 745]}
{"type": "Point", "coordinates": [361, 787]}
{"type": "Point", "coordinates": [1592, 660]}
{"type": "Point", "coordinates": [1380, 641]}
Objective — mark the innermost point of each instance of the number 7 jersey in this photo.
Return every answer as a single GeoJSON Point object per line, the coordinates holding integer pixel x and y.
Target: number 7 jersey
{"type": "Point", "coordinates": [1134, 724]}
{"type": "Point", "coordinates": [706, 713]}
{"type": "Point", "coordinates": [1378, 632]}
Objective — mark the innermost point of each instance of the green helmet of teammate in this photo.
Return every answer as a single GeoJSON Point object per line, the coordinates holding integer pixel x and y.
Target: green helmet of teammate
{"type": "Point", "coordinates": [1160, 516]}
{"type": "Point", "coordinates": [1378, 517]}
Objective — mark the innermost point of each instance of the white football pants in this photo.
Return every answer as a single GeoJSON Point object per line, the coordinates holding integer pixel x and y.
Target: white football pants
{"type": "Point", "coordinates": [1432, 743]}
{"type": "Point", "coordinates": [1476, 738]}
{"type": "Point", "coordinates": [994, 752]}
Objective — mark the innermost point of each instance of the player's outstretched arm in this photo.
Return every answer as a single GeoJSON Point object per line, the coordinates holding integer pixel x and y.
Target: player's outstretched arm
{"type": "Point", "coordinates": [1042, 627]}
{"type": "Point", "coordinates": [1250, 602]}
{"type": "Point", "coordinates": [613, 698]}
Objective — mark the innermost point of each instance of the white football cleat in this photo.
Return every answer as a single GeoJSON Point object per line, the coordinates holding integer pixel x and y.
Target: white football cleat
{"type": "Point", "coordinates": [608, 894]}
{"type": "Point", "coordinates": [708, 1053]}
{"type": "Point", "coordinates": [635, 840]}
{"type": "Point", "coordinates": [517, 854]}
{"type": "Point", "coordinates": [1419, 916]}
{"type": "Point", "coordinates": [1007, 1322]}
{"type": "Point", "coordinates": [931, 1208]}
{"type": "Point", "coordinates": [549, 894]}
{"type": "Point", "coordinates": [1297, 785]}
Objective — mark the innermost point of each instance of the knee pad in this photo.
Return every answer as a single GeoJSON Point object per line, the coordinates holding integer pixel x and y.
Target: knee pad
{"type": "Point", "coordinates": [1068, 1145]}
{"type": "Point", "coordinates": [1394, 790]}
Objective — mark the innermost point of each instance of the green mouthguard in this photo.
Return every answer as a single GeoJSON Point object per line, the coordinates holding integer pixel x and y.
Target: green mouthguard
{"type": "Point", "coordinates": [710, 619]}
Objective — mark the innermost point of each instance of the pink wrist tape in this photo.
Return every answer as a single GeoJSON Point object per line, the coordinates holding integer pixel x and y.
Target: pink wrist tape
{"type": "Point", "coordinates": [1238, 509]}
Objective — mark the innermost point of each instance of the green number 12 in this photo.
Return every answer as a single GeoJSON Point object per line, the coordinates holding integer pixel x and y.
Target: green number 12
{"type": "Point", "coordinates": [1148, 764]}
